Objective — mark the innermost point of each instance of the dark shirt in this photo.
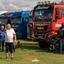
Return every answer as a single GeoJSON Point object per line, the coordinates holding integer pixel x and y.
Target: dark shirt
{"type": "Point", "coordinates": [2, 35]}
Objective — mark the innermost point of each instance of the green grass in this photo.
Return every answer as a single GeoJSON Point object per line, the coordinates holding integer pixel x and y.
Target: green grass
{"type": "Point", "coordinates": [28, 52]}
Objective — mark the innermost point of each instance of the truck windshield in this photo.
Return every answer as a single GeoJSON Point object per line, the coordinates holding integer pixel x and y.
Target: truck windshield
{"type": "Point", "coordinates": [43, 14]}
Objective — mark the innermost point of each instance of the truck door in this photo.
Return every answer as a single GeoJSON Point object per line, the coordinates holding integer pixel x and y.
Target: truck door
{"type": "Point", "coordinates": [56, 24]}
{"type": "Point", "coordinates": [24, 23]}
{"type": "Point", "coordinates": [25, 20]}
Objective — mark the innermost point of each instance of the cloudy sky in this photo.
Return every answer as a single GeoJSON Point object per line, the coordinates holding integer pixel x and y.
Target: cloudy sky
{"type": "Point", "coordinates": [16, 5]}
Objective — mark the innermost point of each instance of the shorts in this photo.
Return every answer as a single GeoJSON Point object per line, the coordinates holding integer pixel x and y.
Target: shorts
{"type": "Point", "coordinates": [9, 47]}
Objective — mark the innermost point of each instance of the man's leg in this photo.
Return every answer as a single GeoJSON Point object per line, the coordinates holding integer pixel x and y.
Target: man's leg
{"type": "Point", "coordinates": [2, 46]}
{"type": "Point", "coordinates": [12, 56]}
{"type": "Point", "coordinates": [7, 55]}
{"type": "Point", "coordinates": [11, 50]}
{"type": "Point", "coordinates": [7, 47]}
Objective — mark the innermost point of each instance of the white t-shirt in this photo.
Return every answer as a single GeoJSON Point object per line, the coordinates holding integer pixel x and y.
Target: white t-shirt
{"type": "Point", "coordinates": [9, 35]}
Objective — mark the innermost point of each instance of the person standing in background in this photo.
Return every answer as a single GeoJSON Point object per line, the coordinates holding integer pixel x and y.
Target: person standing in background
{"type": "Point", "coordinates": [2, 37]}
{"type": "Point", "coordinates": [10, 40]}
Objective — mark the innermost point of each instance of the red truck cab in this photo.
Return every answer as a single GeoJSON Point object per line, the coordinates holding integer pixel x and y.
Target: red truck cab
{"type": "Point", "coordinates": [47, 20]}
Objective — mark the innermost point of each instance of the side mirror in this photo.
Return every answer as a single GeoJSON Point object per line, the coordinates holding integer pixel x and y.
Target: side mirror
{"type": "Point", "coordinates": [30, 25]}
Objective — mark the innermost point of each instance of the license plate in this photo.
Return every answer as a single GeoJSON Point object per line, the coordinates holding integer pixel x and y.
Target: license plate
{"type": "Point", "coordinates": [40, 28]}
{"type": "Point", "coordinates": [39, 36]}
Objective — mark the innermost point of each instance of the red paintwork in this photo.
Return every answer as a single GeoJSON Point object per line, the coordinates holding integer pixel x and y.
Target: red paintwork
{"type": "Point", "coordinates": [60, 19]}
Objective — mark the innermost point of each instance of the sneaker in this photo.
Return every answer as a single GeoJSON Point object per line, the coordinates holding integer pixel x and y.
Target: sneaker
{"type": "Point", "coordinates": [12, 57]}
{"type": "Point", "coordinates": [7, 56]}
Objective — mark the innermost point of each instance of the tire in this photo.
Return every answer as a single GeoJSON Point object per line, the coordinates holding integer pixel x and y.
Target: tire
{"type": "Point", "coordinates": [42, 44]}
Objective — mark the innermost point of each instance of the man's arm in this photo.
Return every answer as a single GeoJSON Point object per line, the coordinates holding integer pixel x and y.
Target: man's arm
{"type": "Point", "coordinates": [14, 35]}
{"type": "Point", "coordinates": [14, 38]}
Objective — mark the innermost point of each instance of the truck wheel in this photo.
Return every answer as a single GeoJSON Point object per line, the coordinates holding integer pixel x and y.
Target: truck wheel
{"type": "Point", "coordinates": [42, 44]}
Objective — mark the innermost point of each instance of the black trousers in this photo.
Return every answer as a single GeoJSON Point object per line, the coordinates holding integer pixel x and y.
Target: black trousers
{"type": "Point", "coordinates": [2, 45]}
{"type": "Point", "coordinates": [9, 47]}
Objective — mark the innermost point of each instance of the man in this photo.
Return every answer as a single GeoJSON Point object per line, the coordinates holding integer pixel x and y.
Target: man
{"type": "Point", "coordinates": [2, 37]}
{"type": "Point", "coordinates": [10, 39]}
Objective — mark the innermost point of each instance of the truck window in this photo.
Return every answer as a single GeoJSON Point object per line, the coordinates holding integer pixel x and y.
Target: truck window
{"type": "Point", "coordinates": [56, 16]}
{"type": "Point", "coordinates": [62, 12]}
{"type": "Point", "coordinates": [59, 13]}
{"type": "Point", "coordinates": [43, 14]}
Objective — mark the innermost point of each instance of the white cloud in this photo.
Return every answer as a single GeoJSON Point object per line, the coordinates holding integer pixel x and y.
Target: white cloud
{"type": "Point", "coordinates": [15, 5]}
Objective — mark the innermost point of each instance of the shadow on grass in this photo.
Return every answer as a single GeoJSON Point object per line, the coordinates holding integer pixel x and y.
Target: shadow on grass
{"type": "Point", "coordinates": [32, 46]}
{"type": "Point", "coordinates": [35, 47]}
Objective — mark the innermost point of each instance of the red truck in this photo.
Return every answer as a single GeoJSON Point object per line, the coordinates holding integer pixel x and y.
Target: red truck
{"type": "Point", "coordinates": [46, 21]}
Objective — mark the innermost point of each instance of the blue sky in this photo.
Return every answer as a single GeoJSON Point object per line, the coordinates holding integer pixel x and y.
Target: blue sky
{"type": "Point", "coordinates": [16, 5]}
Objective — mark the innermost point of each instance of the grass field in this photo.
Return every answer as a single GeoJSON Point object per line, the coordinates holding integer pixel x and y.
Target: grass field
{"type": "Point", "coordinates": [29, 52]}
